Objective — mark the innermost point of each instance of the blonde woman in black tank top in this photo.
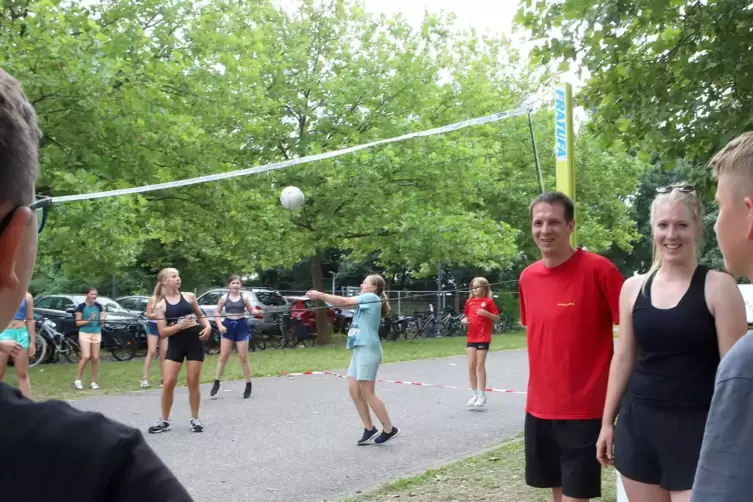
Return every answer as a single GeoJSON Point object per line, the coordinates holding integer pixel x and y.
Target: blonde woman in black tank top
{"type": "Point", "coordinates": [676, 322]}
{"type": "Point", "coordinates": [234, 329]}
{"type": "Point", "coordinates": [180, 320]}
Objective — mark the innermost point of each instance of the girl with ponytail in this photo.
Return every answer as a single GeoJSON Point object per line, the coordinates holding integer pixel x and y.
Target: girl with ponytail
{"type": "Point", "coordinates": [363, 339]}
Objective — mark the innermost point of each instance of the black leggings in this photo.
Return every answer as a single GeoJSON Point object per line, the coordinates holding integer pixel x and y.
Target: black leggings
{"type": "Point", "coordinates": [186, 345]}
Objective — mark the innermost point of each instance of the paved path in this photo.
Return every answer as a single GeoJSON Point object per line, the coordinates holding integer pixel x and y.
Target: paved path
{"type": "Point", "coordinates": [294, 439]}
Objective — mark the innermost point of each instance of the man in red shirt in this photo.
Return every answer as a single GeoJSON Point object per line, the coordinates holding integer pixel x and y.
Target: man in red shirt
{"type": "Point", "coordinates": [569, 303]}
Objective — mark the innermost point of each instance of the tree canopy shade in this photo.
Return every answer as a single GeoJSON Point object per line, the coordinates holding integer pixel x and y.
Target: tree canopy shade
{"type": "Point", "coordinates": [666, 76]}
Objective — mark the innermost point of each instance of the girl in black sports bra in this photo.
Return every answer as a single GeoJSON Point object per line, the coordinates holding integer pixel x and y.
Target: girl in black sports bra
{"type": "Point", "coordinates": [177, 315]}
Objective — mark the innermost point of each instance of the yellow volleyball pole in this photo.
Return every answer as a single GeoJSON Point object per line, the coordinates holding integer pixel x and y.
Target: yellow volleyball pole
{"type": "Point", "coordinates": [565, 143]}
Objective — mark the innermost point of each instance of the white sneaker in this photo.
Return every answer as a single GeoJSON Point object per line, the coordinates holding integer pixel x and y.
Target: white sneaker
{"type": "Point", "coordinates": [144, 383]}
{"type": "Point", "coordinates": [472, 401]}
{"type": "Point", "coordinates": [95, 386]}
{"type": "Point", "coordinates": [480, 401]}
{"type": "Point", "coordinates": [77, 384]}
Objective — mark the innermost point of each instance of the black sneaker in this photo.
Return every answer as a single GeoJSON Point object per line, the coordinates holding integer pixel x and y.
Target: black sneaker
{"type": "Point", "coordinates": [215, 388]}
{"type": "Point", "coordinates": [247, 391]}
{"type": "Point", "coordinates": [159, 426]}
{"type": "Point", "coordinates": [384, 437]}
{"type": "Point", "coordinates": [196, 425]}
{"type": "Point", "coordinates": [368, 435]}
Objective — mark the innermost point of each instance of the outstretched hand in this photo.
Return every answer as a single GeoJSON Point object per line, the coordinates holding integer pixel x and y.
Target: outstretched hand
{"type": "Point", "coordinates": [314, 294]}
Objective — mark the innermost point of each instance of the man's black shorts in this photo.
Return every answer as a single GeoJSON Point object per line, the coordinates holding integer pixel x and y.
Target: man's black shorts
{"type": "Point", "coordinates": [562, 453]}
{"type": "Point", "coordinates": [186, 345]}
{"type": "Point", "coordinates": [478, 345]}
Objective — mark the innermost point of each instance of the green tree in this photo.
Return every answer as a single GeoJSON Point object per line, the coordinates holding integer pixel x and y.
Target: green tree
{"type": "Point", "coordinates": [667, 76]}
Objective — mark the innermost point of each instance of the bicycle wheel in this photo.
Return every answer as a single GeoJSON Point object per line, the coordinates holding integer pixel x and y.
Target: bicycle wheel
{"type": "Point", "coordinates": [40, 353]}
{"type": "Point", "coordinates": [123, 346]}
{"type": "Point", "coordinates": [70, 349]}
{"type": "Point", "coordinates": [258, 343]}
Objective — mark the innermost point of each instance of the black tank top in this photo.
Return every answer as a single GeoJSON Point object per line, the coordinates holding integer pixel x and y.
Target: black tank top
{"type": "Point", "coordinates": [678, 349]}
{"type": "Point", "coordinates": [174, 313]}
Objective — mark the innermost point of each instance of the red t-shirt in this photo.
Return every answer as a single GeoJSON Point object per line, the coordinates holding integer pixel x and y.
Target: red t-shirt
{"type": "Point", "coordinates": [569, 312]}
{"type": "Point", "coordinates": [480, 327]}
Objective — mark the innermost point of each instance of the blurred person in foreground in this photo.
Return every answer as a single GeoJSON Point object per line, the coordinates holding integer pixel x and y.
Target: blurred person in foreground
{"type": "Point", "coordinates": [724, 472]}
{"type": "Point", "coordinates": [51, 451]}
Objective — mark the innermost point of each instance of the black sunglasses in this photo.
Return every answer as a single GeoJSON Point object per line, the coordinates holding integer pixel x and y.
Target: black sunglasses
{"type": "Point", "coordinates": [40, 206]}
{"type": "Point", "coordinates": [679, 188]}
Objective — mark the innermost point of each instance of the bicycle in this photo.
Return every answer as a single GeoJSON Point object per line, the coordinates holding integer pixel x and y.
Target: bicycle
{"type": "Point", "coordinates": [293, 333]}
{"type": "Point", "coordinates": [53, 344]}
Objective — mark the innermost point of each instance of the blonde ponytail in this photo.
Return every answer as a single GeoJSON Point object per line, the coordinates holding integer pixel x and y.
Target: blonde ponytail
{"type": "Point", "coordinates": [380, 285]}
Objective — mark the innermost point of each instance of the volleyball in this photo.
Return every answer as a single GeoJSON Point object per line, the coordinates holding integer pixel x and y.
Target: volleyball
{"type": "Point", "coordinates": [291, 198]}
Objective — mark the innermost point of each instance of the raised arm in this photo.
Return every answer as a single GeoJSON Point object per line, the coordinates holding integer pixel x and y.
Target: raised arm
{"type": "Point", "coordinates": [334, 300]}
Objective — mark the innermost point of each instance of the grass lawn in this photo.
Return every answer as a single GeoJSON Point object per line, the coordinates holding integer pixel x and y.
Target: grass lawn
{"type": "Point", "coordinates": [56, 380]}
{"type": "Point", "coordinates": [496, 475]}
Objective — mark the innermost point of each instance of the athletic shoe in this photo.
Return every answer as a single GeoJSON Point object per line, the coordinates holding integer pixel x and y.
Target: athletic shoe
{"type": "Point", "coordinates": [77, 384]}
{"type": "Point", "coordinates": [95, 386]}
{"type": "Point", "coordinates": [144, 383]}
{"type": "Point", "coordinates": [159, 426]}
{"type": "Point", "coordinates": [384, 437]}
{"type": "Point", "coordinates": [472, 401]}
{"type": "Point", "coordinates": [247, 391]}
{"type": "Point", "coordinates": [368, 435]}
{"type": "Point", "coordinates": [215, 388]}
{"type": "Point", "coordinates": [196, 425]}
{"type": "Point", "coordinates": [480, 402]}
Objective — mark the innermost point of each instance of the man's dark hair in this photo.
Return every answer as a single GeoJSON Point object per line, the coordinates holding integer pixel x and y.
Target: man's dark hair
{"type": "Point", "coordinates": [19, 143]}
{"type": "Point", "coordinates": [555, 198]}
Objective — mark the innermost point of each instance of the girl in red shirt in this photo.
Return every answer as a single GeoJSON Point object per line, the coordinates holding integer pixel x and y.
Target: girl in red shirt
{"type": "Point", "coordinates": [480, 315]}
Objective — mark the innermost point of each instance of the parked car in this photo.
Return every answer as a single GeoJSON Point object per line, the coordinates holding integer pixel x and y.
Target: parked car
{"type": "Point", "coordinates": [300, 310]}
{"type": "Point", "coordinates": [266, 303]}
{"type": "Point", "coordinates": [135, 304]}
{"type": "Point", "coordinates": [61, 310]}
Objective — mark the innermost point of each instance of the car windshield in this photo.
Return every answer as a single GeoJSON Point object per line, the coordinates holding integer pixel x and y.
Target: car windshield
{"type": "Point", "coordinates": [270, 298]}
{"type": "Point", "coordinates": [111, 306]}
{"type": "Point", "coordinates": [309, 304]}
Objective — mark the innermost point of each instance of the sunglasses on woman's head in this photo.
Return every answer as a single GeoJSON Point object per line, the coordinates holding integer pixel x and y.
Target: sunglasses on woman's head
{"type": "Point", "coordinates": [679, 188]}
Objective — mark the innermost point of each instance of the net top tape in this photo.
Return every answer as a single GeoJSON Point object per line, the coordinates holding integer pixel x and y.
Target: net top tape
{"type": "Point", "coordinates": [292, 162]}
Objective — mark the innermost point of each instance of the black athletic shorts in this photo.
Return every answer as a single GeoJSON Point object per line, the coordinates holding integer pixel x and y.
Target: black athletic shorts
{"type": "Point", "coordinates": [186, 345]}
{"type": "Point", "coordinates": [658, 446]}
{"type": "Point", "coordinates": [478, 345]}
{"type": "Point", "coordinates": [562, 454]}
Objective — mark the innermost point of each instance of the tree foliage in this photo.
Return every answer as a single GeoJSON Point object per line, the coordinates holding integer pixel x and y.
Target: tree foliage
{"type": "Point", "coordinates": [667, 76]}
{"type": "Point", "coordinates": [132, 93]}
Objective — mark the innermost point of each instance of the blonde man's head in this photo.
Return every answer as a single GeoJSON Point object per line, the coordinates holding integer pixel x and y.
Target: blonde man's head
{"type": "Point", "coordinates": [733, 168]}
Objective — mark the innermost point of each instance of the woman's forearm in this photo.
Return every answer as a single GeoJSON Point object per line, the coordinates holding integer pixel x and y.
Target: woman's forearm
{"type": "Point", "coordinates": [336, 301]}
{"type": "Point", "coordinates": [619, 374]}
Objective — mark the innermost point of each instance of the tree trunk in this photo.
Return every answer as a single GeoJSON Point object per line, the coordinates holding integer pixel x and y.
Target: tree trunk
{"type": "Point", "coordinates": [322, 322]}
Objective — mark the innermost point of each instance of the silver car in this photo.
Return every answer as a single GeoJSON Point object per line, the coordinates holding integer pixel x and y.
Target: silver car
{"type": "Point", "coordinates": [267, 305]}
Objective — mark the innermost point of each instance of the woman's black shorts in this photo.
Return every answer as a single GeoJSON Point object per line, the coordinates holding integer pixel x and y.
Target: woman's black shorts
{"type": "Point", "coordinates": [658, 446]}
{"type": "Point", "coordinates": [186, 345]}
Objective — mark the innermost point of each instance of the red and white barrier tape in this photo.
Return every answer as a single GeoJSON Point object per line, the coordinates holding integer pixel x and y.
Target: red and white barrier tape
{"type": "Point", "coordinates": [418, 384]}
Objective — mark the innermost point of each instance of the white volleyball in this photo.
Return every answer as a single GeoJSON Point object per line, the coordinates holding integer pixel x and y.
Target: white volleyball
{"type": "Point", "coordinates": [291, 198]}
